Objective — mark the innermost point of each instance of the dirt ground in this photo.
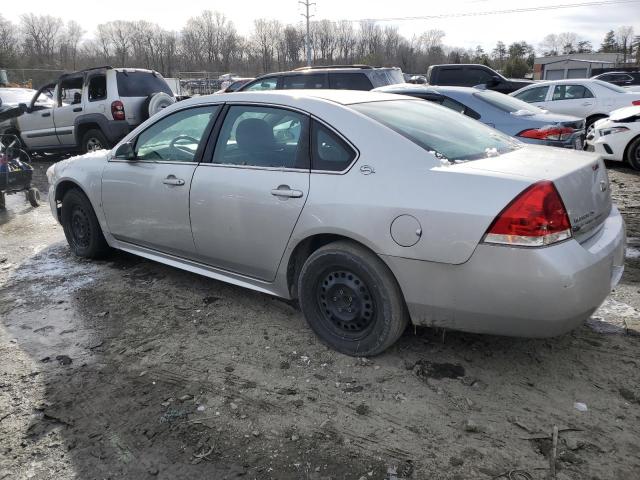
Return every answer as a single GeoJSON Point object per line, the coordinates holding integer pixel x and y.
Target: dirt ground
{"type": "Point", "coordinates": [126, 368]}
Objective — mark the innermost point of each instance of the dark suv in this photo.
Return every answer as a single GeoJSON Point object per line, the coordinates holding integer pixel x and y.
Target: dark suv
{"type": "Point", "coordinates": [345, 77]}
{"type": "Point", "coordinates": [622, 79]}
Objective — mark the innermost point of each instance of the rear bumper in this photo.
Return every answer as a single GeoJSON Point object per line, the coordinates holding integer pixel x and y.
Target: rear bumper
{"type": "Point", "coordinates": [528, 292]}
{"type": "Point", "coordinates": [575, 142]}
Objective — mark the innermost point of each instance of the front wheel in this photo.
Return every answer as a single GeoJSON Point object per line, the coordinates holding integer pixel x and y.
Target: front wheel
{"type": "Point", "coordinates": [633, 154]}
{"type": "Point", "coordinates": [351, 299]}
{"type": "Point", "coordinates": [81, 227]}
{"type": "Point", "coordinates": [33, 196]}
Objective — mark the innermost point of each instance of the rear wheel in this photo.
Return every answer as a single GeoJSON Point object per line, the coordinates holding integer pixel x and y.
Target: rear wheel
{"type": "Point", "coordinates": [94, 140]}
{"type": "Point", "coordinates": [633, 154]}
{"type": "Point", "coordinates": [81, 226]}
{"type": "Point", "coordinates": [351, 299]}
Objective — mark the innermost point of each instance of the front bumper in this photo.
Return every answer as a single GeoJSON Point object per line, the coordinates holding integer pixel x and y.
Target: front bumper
{"type": "Point", "coordinates": [527, 292]}
{"type": "Point", "coordinates": [611, 147]}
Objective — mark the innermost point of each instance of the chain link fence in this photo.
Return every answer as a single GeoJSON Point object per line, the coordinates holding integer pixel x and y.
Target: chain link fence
{"type": "Point", "coordinates": [31, 77]}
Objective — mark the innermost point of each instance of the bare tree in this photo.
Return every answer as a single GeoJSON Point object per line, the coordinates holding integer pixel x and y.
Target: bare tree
{"type": "Point", "coordinates": [8, 42]}
{"type": "Point", "coordinates": [41, 35]}
{"type": "Point", "coordinates": [624, 36]}
{"type": "Point", "coordinates": [264, 38]}
{"type": "Point", "coordinates": [346, 41]}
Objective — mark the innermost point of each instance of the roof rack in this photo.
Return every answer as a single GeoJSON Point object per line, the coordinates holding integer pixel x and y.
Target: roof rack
{"type": "Point", "coordinates": [316, 67]}
{"type": "Point", "coordinates": [104, 67]}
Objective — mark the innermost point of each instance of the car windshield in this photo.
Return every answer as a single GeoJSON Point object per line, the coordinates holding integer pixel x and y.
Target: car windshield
{"type": "Point", "coordinates": [507, 103]}
{"type": "Point", "coordinates": [449, 135]}
{"type": "Point", "coordinates": [610, 86]}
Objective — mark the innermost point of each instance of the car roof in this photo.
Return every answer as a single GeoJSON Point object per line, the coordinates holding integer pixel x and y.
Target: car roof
{"type": "Point", "coordinates": [293, 98]}
{"type": "Point", "coordinates": [337, 68]}
{"type": "Point", "coordinates": [565, 81]}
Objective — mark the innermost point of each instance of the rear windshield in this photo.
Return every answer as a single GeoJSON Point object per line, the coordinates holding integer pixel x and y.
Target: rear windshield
{"type": "Point", "coordinates": [141, 84]}
{"type": "Point", "coordinates": [610, 86]}
{"type": "Point", "coordinates": [507, 103]}
{"type": "Point", "coordinates": [449, 135]}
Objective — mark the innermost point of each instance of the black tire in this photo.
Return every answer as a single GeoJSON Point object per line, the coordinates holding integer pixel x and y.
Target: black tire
{"type": "Point", "coordinates": [94, 140]}
{"type": "Point", "coordinates": [633, 154]}
{"type": "Point", "coordinates": [81, 226]}
{"type": "Point", "coordinates": [33, 195]}
{"type": "Point", "coordinates": [351, 299]}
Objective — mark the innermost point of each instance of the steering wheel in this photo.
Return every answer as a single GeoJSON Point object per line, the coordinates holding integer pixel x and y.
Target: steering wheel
{"type": "Point", "coordinates": [183, 148]}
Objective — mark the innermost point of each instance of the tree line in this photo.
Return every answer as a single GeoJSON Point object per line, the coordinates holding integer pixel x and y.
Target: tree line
{"type": "Point", "coordinates": [210, 42]}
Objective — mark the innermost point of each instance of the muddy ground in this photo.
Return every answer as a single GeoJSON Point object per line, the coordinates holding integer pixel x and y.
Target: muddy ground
{"type": "Point", "coordinates": [126, 368]}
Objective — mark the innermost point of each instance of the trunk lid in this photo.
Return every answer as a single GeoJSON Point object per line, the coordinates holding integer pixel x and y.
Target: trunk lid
{"type": "Point", "coordinates": [580, 177]}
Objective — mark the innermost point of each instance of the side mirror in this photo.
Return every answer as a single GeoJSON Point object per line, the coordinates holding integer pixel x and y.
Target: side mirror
{"type": "Point", "coordinates": [495, 80]}
{"type": "Point", "coordinates": [24, 107]}
{"type": "Point", "coordinates": [125, 152]}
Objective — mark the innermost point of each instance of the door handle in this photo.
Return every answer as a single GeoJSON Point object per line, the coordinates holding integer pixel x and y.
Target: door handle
{"type": "Point", "coordinates": [172, 180]}
{"type": "Point", "coordinates": [46, 114]}
{"type": "Point", "coordinates": [587, 104]}
{"type": "Point", "coordinates": [77, 109]}
{"type": "Point", "coordinates": [286, 192]}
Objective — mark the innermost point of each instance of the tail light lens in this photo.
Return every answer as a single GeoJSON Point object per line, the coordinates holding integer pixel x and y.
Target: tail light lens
{"type": "Point", "coordinates": [535, 218]}
{"type": "Point", "coordinates": [636, 102]}
{"type": "Point", "coordinates": [548, 133]}
{"type": "Point", "coordinates": [117, 110]}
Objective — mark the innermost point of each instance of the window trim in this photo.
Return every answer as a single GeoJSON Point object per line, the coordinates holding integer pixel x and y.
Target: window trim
{"type": "Point", "coordinates": [201, 147]}
{"type": "Point", "coordinates": [245, 87]}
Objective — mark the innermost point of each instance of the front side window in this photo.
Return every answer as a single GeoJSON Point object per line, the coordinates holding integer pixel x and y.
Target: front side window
{"type": "Point", "coordinates": [97, 88]}
{"type": "Point", "coordinates": [176, 137]}
{"type": "Point", "coordinates": [571, 92]}
{"type": "Point", "coordinates": [70, 91]}
{"type": "Point", "coordinates": [533, 95]}
{"type": "Point", "coordinates": [451, 76]}
{"type": "Point", "coordinates": [477, 76]}
{"type": "Point", "coordinates": [309, 80]}
{"type": "Point", "coordinates": [263, 84]}
{"type": "Point", "coordinates": [439, 130]}
{"type": "Point", "coordinates": [263, 137]}
{"type": "Point", "coordinates": [329, 152]}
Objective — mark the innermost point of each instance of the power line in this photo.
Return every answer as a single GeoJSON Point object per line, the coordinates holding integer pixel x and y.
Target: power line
{"type": "Point", "coordinates": [495, 12]}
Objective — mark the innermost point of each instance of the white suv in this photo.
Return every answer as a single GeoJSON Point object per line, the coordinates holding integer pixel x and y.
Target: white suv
{"type": "Point", "coordinates": [92, 109]}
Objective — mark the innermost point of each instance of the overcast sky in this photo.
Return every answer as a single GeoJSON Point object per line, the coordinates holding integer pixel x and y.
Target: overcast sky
{"type": "Point", "coordinates": [589, 22]}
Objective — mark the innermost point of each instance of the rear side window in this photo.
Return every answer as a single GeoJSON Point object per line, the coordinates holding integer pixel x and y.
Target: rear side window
{"type": "Point", "coordinates": [315, 80]}
{"type": "Point", "coordinates": [328, 151]}
{"type": "Point", "coordinates": [262, 84]}
{"type": "Point", "coordinates": [448, 135]}
{"type": "Point", "coordinates": [263, 137]}
{"type": "Point", "coordinates": [140, 84]}
{"type": "Point", "coordinates": [571, 92]}
{"type": "Point", "coordinates": [97, 88]}
{"type": "Point", "coordinates": [533, 95]}
{"type": "Point", "coordinates": [349, 81]}
{"type": "Point", "coordinates": [506, 103]}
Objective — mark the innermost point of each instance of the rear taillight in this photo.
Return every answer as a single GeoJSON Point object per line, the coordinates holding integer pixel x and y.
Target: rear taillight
{"type": "Point", "coordinates": [536, 217]}
{"type": "Point", "coordinates": [117, 110]}
{"type": "Point", "coordinates": [636, 102]}
{"type": "Point", "coordinates": [548, 133]}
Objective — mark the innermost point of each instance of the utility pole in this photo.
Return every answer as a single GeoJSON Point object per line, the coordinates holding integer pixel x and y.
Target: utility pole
{"type": "Point", "coordinates": [307, 16]}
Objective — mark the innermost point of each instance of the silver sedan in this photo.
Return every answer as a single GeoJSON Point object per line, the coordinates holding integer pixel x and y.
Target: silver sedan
{"type": "Point", "coordinates": [372, 210]}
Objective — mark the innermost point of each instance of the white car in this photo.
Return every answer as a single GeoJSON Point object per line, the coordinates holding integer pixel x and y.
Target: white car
{"type": "Point", "coordinates": [585, 98]}
{"type": "Point", "coordinates": [618, 137]}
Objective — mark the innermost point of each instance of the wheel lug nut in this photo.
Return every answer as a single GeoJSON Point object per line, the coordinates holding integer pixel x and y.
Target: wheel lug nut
{"type": "Point", "coordinates": [341, 292]}
{"type": "Point", "coordinates": [335, 299]}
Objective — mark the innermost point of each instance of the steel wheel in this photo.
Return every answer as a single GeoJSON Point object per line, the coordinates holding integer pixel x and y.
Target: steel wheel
{"type": "Point", "coordinates": [93, 144]}
{"type": "Point", "coordinates": [80, 227]}
{"type": "Point", "coordinates": [345, 302]}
